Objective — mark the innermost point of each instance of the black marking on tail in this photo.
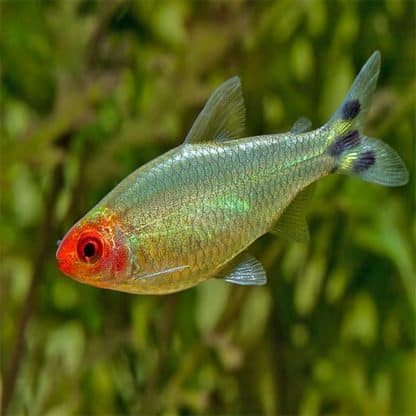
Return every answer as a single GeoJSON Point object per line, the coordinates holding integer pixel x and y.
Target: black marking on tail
{"type": "Point", "coordinates": [350, 109]}
{"type": "Point", "coordinates": [344, 142]}
{"type": "Point", "coordinates": [364, 161]}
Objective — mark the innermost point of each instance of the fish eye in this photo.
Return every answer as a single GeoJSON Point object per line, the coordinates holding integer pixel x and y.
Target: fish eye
{"type": "Point", "coordinates": [90, 249]}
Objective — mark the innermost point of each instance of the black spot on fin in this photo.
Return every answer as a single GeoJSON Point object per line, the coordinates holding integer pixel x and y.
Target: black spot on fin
{"type": "Point", "coordinates": [373, 161]}
{"type": "Point", "coordinates": [357, 101]}
{"type": "Point", "coordinates": [344, 142]}
{"type": "Point", "coordinates": [364, 161]}
{"type": "Point", "coordinates": [351, 109]}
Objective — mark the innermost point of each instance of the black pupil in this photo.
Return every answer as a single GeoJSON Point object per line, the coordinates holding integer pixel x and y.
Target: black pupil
{"type": "Point", "coordinates": [89, 250]}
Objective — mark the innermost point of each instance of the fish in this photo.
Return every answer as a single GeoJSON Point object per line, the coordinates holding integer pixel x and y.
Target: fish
{"type": "Point", "coordinates": [192, 213]}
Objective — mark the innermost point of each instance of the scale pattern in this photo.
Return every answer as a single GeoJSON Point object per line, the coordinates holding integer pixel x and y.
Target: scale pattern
{"type": "Point", "coordinates": [195, 208]}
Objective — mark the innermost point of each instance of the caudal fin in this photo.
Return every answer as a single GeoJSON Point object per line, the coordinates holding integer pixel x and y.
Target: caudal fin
{"type": "Point", "coordinates": [353, 153]}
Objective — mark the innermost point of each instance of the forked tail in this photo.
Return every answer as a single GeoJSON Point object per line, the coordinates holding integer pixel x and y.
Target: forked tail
{"type": "Point", "coordinates": [353, 153]}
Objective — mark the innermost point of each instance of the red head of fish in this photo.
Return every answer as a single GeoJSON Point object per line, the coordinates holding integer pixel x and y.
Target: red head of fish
{"type": "Point", "coordinates": [94, 250]}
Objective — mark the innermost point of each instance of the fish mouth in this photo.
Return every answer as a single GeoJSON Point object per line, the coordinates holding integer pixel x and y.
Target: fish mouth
{"type": "Point", "coordinates": [58, 250]}
{"type": "Point", "coordinates": [59, 255]}
{"type": "Point", "coordinates": [64, 266]}
{"type": "Point", "coordinates": [64, 260]}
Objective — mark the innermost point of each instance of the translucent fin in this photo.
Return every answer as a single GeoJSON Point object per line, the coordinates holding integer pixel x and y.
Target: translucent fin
{"type": "Point", "coordinates": [301, 125]}
{"type": "Point", "coordinates": [160, 272]}
{"type": "Point", "coordinates": [375, 161]}
{"type": "Point", "coordinates": [354, 153]}
{"type": "Point", "coordinates": [223, 116]}
{"type": "Point", "coordinates": [355, 106]}
{"type": "Point", "coordinates": [292, 223]}
{"type": "Point", "coordinates": [245, 270]}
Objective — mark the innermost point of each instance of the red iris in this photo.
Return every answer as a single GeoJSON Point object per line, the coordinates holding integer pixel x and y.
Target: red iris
{"type": "Point", "coordinates": [90, 249]}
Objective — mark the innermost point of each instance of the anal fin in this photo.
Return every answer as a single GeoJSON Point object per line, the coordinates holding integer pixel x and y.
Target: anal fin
{"type": "Point", "coordinates": [292, 223]}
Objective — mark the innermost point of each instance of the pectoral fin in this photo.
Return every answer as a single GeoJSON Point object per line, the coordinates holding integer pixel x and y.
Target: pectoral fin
{"type": "Point", "coordinates": [223, 116]}
{"type": "Point", "coordinates": [245, 270]}
{"type": "Point", "coordinates": [292, 223]}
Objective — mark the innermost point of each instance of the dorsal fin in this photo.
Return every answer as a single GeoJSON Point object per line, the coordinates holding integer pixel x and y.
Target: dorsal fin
{"type": "Point", "coordinates": [223, 116]}
{"type": "Point", "coordinates": [292, 223]}
{"type": "Point", "coordinates": [301, 125]}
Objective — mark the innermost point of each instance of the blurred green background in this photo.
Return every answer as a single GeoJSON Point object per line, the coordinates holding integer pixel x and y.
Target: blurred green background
{"type": "Point", "coordinates": [90, 90]}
